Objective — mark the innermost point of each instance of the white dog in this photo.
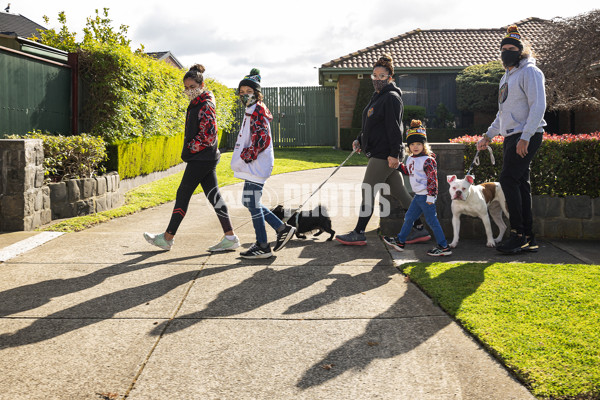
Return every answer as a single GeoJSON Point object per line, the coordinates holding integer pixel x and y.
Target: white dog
{"type": "Point", "coordinates": [476, 200]}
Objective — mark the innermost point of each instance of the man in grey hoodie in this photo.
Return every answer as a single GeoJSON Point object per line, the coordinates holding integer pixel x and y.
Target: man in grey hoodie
{"type": "Point", "coordinates": [520, 119]}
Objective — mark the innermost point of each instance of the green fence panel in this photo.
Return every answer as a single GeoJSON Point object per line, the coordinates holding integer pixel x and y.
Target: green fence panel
{"type": "Point", "coordinates": [302, 116]}
{"type": "Point", "coordinates": [33, 95]}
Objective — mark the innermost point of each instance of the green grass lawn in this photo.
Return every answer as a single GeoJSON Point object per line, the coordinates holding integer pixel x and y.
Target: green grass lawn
{"type": "Point", "coordinates": [542, 321]}
{"type": "Point", "coordinates": [164, 190]}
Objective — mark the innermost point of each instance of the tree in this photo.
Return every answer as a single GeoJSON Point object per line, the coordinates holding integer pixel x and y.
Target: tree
{"type": "Point", "coordinates": [64, 39]}
{"type": "Point", "coordinates": [97, 30]}
{"type": "Point", "coordinates": [569, 57]}
{"type": "Point", "coordinates": [477, 87]}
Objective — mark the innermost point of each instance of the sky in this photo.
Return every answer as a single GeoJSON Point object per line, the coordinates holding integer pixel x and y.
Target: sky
{"type": "Point", "coordinates": [287, 41]}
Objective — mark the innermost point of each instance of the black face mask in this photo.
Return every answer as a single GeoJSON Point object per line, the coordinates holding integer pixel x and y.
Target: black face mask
{"type": "Point", "coordinates": [510, 58]}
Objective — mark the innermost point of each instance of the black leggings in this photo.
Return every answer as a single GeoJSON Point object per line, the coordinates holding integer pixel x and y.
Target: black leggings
{"type": "Point", "coordinates": [199, 173]}
{"type": "Point", "coordinates": [516, 184]}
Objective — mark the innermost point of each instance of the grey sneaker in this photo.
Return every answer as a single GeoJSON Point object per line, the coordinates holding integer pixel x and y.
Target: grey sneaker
{"type": "Point", "coordinates": [352, 239]}
{"type": "Point", "coordinates": [417, 236]}
{"type": "Point", "coordinates": [225, 245]}
{"type": "Point", "coordinates": [159, 240]}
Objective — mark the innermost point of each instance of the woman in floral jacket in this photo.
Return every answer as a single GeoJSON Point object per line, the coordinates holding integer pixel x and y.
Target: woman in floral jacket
{"type": "Point", "coordinates": [201, 153]}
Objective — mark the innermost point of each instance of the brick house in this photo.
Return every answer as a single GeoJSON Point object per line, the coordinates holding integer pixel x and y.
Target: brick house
{"type": "Point", "coordinates": [426, 65]}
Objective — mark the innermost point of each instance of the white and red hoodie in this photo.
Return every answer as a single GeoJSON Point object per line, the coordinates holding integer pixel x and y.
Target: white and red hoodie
{"type": "Point", "coordinates": [422, 170]}
{"type": "Point", "coordinates": [253, 157]}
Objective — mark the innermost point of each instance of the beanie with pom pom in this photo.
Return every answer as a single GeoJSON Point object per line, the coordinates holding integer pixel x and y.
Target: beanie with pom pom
{"type": "Point", "coordinates": [416, 133]}
{"type": "Point", "coordinates": [512, 37]}
{"type": "Point", "coordinates": [252, 80]}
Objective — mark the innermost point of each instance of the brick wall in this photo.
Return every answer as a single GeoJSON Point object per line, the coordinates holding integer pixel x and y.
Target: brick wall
{"type": "Point", "coordinates": [348, 90]}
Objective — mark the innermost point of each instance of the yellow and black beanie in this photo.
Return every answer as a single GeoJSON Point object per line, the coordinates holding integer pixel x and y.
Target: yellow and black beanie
{"type": "Point", "coordinates": [416, 133]}
{"type": "Point", "coordinates": [252, 80]}
{"type": "Point", "coordinates": [512, 37]}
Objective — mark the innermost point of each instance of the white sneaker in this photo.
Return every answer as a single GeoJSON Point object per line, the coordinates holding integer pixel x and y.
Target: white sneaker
{"type": "Point", "coordinates": [225, 245]}
{"type": "Point", "coordinates": [159, 240]}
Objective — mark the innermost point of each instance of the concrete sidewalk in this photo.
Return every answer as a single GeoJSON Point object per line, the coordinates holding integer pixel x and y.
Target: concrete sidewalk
{"type": "Point", "coordinates": [101, 314]}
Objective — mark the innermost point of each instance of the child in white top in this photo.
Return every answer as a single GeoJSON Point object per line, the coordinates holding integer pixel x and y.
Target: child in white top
{"type": "Point", "coordinates": [422, 169]}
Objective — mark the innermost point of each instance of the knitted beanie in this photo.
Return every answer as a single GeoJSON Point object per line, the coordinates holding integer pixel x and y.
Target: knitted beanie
{"type": "Point", "coordinates": [512, 37]}
{"type": "Point", "coordinates": [416, 133]}
{"type": "Point", "coordinates": [252, 80]}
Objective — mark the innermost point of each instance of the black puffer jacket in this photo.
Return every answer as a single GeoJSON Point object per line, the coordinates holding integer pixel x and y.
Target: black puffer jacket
{"type": "Point", "coordinates": [381, 135]}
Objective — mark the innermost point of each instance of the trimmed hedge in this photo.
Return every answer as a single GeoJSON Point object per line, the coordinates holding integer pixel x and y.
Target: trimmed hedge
{"type": "Point", "coordinates": [565, 165]}
{"type": "Point", "coordinates": [143, 156]}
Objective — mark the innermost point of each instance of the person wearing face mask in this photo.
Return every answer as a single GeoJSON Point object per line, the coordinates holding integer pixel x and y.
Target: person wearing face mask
{"type": "Point", "coordinates": [520, 120]}
{"type": "Point", "coordinates": [201, 153]}
{"type": "Point", "coordinates": [253, 160]}
{"type": "Point", "coordinates": [381, 141]}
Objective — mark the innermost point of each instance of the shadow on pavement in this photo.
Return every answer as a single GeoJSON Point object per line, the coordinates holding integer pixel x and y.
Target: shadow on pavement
{"type": "Point", "coordinates": [379, 341]}
{"type": "Point", "coordinates": [91, 311]}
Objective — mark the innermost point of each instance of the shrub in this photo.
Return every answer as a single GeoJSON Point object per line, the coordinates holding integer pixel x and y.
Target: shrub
{"type": "Point", "coordinates": [412, 112]}
{"type": "Point", "coordinates": [565, 165]}
{"type": "Point", "coordinates": [365, 92]}
{"type": "Point", "coordinates": [477, 87]}
{"type": "Point", "coordinates": [130, 95]}
{"type": "Point", "coordinates": [70, 157]}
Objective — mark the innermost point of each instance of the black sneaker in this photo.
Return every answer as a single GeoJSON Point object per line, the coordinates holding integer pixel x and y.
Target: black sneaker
{"type": "Point", "coordinates": [283, 237]}
{"type": "Point", "coordinates": [440, 251]}
{"type": "Point", "coordinates": [392, 241]}
{"type": "Point", "coordinates": [255, 251]}
{"type": "Point", "coordinates": [515, 244]}
{"type": "Point", "coordinates": [532, 245]}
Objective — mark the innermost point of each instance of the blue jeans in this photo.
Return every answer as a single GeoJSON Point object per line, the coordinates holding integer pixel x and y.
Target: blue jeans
{"type": "Point", "coordinates": [417, 207]}
{"type": "Point", "coordinates": [251, 200]}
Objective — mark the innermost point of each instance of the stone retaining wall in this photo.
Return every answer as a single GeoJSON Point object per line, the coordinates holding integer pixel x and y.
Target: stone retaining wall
{"type": "Point", "coordinates": [24, 200]}
{"type": "Point", "coordinates": [26, 203]}
{"type": "Point", "coordinates": [77, 197]}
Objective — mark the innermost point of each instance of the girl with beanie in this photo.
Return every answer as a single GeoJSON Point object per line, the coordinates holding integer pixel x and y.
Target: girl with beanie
{"type": "Point", "coordinates": [422, 169]}
{"type": "Point", "coordinates": [252, 160]}
{"type": "Point", "coordinates": [201, 153]}
{"type": "Point", "coordinates": [520, 119]}
{"type": "Point", "coordinates": [381, 141]}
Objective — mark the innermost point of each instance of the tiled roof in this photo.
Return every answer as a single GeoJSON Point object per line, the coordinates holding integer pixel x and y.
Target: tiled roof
{"type": "Point", "coordinates": [16, 23]}
{"type": "Point", "coordinates": [440, 48]}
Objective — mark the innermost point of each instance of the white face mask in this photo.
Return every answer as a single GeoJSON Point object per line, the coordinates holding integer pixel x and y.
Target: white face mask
{"type": "Point", "coordinates": [193, 93]}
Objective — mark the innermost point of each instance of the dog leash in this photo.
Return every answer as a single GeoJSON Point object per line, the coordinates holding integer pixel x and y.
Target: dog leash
{"type": "Point", "coordinates": [476, 160]}
{"type": "Point", "coordinates": [296, 211]}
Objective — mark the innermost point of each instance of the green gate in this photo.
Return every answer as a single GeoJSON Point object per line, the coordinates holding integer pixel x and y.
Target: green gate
{"type": "Point", "coordinates": [302, 116]}
{"type": "Point", "coordinates": [34, 94]}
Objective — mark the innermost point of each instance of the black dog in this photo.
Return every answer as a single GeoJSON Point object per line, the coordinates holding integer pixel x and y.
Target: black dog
{"type": "Point", "coordinates": [307, 221]}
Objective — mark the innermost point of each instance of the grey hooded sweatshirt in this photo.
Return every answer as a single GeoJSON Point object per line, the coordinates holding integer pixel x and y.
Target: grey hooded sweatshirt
{"type": "Point", "coordinates": [521, 102]}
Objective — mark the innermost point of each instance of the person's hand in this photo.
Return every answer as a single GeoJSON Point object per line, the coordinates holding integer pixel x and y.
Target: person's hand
{"type": "Point", "coordinates": [430, 203]}
{"type": "Point", "coordinates": [522, 148]}
{"type": "Point", "coordinates": [483, 142]}
{"type": "Point", "coordinates": [356, 146]}
{"type": "Point", "coordinates": [393, 162]}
